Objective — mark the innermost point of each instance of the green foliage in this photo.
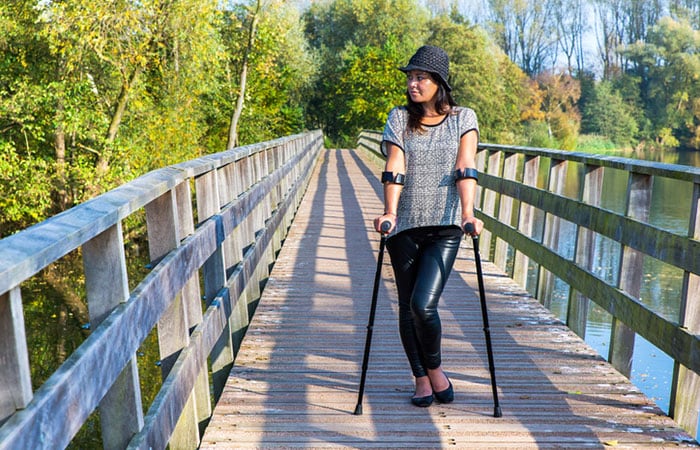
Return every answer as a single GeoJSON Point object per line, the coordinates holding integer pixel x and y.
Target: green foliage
{"type": "Point", "coordinates": [605, 113]}
{"type": "Point", "coordinates": [537, 134]}
{"type": "Point", "coordinates": [94, 94]}
{"type": "Point", "coordinates": [482, 78]}
{"type": "Point", "coordinates": [280, 71]}
{"type": "Point", "coordinates": [557, 95]}
{"type": "Point", "coordinates": [667, 66]}
{"type": "Point", "coordinates": [360, 52]}
{"type": "Point", "coordinates": [25, 191]}
{"type": "Point", "coordinates": [592, 143]}
{"type": "Point", "coordinates": [360, 44]}
{"type": "Point", "coordinates": [368, 88]}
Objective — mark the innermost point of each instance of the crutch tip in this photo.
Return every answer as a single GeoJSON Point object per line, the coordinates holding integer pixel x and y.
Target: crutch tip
{"type": "Point", "coordinates": [497, 412]}
{"type": "Point", "coordinates": [358, 410]}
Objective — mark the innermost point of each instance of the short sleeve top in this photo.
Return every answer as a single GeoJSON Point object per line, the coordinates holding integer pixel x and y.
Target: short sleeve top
{"type": "Point", "coordinates": [429, 196]}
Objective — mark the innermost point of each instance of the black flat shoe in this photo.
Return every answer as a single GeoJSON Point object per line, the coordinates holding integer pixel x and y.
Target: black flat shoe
{"type": "Point", "coordinates": [422, 402]}
{"type": "Point", "coordinates": [446, 396]}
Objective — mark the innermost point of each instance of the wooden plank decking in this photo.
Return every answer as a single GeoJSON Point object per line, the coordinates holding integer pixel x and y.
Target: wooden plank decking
{"type": "Point", "coordinates": [296, 376]}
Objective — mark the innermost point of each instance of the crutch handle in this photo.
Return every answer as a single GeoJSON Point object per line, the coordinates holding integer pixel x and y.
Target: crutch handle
{"type": "Point", "coordinates": [469, 228]}
{"type": "Point", "coordinates": [385, 227]}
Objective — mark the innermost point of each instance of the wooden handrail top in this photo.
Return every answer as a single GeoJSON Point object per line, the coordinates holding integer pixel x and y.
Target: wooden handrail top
{"type": "Point", "coordinates": [27, 252]}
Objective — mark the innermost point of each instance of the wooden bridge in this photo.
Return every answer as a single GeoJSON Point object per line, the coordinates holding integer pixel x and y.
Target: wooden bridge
{"type": "Point", "coordinates": [292, 380]}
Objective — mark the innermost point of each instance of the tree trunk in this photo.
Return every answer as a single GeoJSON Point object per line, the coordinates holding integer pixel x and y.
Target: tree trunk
{"type": "Point", "coordinates": [62, 199]}
{"type": "Point", "coordinates": [233, 129]}
{"type": "Point", "coordinates": [102, 165]}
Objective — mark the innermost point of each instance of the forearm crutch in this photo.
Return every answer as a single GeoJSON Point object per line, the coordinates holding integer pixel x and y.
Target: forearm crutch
{"type": "Point", "coordinates": [373, 307]}
{"type": "Point", "coordinates": [469, 229]}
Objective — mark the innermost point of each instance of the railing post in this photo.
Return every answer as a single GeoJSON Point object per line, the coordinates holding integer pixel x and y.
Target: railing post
{"type": "Point", "coordinates": [214, 273]}
{"type": "Point", "coordinates": [15, 380]}
{"type": "Point", "coordinates": [253, 225]}
{"type": "Point", "coordinates": [270, 204]}
{"type": "Point", "coordinates": [685, 389]}
{"type": "Point", "coordinates": [173, 330]}
{"type": "Point", "coordinates": [481, 156]}
{"type": "Point", "coordinates": [246, 171]}
{"type": "Point", "coordinates": [106, 285]}
{"type": "Point", "coordinates": [278, 194]}
{"type": "Point", "coordinates": [630, 273]}
{"type": "Point", "coordinates": [591, 191]}
{"type": "Point", "coordinates": [192, 300]}
{"type": "Point", "coordinates": [550, 238]}
{"type": "Point", "coordinates": [505, 211]}
{"type": "Point", "coordinates": [526, 220]}
{"type": "Point", "coordinates": [490, 200]}
{"type": "Point", "coordinates": [228, 190]}
{"type": "Point", "coordinates": [229, 186]}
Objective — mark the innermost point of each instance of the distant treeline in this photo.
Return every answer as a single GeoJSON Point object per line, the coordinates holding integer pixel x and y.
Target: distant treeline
{"type": "Point", "coordinates": [93, 94]}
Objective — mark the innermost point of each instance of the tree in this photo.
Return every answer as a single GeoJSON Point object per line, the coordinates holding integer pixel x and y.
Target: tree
{"type": "Point", "coordinates": [109, 45]}
{"type": "Point", "coordinates": [483, 78]}
{"type": "Point", "coordinates": [622, 22]}
{"type": "Point", "coordinates": [342, 33]}
{"type": "Point", "coordinates": [569, 19]}
{"type": "Point", "coordinates": [526, 31]}
{"type": "Point", "coordinates": [669, 82]}
{"type": "Point", "coordinates": [560, 94]}
{"type": "Point", "coordinates": [686, 9]}
{"type": "Point", "coordinates": [96, 93]}
{"type": "Point", "coordinates": [27, 180]}
{"type": "Point", "coordinates": [606, 113]}
{"type": "Point", "coordinates": [369, 87]}
{"type": "Point", "coordinates": [253, 17]}
{"type": "Point", "coordinates": [168, 119]}
{"type": "Point", "coordinates": [278, 68]}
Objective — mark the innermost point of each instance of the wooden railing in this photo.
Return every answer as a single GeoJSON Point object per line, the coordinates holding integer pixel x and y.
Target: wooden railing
{"type": "Point", "coordinates": [244, 200]}
{"type": "Point", "coordinates": [508, 201]}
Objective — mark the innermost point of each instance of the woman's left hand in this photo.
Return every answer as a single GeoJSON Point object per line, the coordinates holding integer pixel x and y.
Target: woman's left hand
{"type": "Point", "coordinates": [379, 221]}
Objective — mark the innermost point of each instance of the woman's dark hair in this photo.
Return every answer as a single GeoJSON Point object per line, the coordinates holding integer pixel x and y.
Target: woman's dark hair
{"type": "Point", "coordinates": [443, 104]}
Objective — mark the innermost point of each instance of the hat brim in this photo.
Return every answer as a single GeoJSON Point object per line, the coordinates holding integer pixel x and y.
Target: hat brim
{"type": "Point", "coordinates": [411, 67]}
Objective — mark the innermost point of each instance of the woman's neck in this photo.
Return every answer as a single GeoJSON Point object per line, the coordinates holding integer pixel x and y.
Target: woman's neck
{"type": "Point", "coordinates": [429, 110]}
{"type": "Point", "coordinates": [431, 116]}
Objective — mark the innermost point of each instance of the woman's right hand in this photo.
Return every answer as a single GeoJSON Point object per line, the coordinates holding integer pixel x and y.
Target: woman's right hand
{"type": "Point", "coordinates": [475, 226]}
{"type": "Point", "coordinates": [391, 218]}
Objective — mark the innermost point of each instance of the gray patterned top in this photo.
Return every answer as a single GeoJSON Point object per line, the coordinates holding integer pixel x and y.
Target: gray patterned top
{"type": "Point", "coordinates": [429, 196]}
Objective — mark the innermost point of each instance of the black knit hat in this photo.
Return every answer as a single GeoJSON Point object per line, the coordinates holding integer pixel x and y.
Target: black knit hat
{"type": "Point", "coordinates": [431, 59]}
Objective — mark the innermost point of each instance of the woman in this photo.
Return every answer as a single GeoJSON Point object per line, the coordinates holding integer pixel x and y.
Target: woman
{"type": "Point", "coordinates": [429, 186]}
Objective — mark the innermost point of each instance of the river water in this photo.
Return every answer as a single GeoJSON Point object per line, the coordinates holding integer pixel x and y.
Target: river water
{"type": "Point", "coordinates": [652, 369]}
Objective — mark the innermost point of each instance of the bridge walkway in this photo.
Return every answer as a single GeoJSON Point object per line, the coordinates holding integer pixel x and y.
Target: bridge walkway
{"type": "Point", "coordinates": [295, 379]}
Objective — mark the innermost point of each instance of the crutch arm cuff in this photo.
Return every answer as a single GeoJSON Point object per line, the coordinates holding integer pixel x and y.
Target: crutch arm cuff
{"type": "Point", "coordinates": [391, 177]}
{"type": "Point", "coordinates": [461, 174]}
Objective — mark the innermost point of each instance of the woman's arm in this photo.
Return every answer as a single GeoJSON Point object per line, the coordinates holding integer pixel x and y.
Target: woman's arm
{"type": "Point", "coordinates": [395, 164]}
{"type": "Point", "coordinates": [466, 187]}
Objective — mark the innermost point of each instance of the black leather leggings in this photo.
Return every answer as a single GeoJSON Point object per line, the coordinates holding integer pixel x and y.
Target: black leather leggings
{"type": "Point", "coordinates": [422, 259]}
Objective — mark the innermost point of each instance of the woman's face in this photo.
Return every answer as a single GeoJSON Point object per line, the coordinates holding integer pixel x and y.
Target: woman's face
{"type": "Point", "coordinates": [421, 86]}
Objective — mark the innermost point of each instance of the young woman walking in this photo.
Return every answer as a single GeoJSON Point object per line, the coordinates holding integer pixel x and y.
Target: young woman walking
{"type": "Point", "coordinates": [429, 187]}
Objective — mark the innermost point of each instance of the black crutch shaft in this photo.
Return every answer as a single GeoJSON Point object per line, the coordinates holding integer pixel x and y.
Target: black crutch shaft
{"type": "Point", "coordinates": [469, 229]}
{"type": "Point", "coordinates": [386, 226]}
